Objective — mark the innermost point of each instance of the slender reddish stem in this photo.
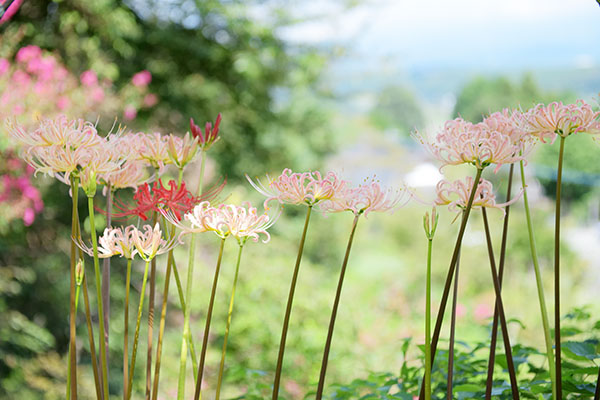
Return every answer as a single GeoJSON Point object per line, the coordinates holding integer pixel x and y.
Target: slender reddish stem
{"type": "Point", "coordinates": [334, 310]}
{"type": "Point", "coordinates": [509, 358]}
{"type": "Point", "coordinates": [288, 309]}
{"type": "Point", "coordinates": [491, 360]}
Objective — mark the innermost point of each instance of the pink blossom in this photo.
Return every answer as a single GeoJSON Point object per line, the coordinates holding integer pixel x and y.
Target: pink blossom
{"type": "Point", "coordinates": [89, 78]}
{"type": "Point", "coordinates": [28, 53]}
{"type": "Point", "coordinates": [130, 112]}
{"type": "Point", "coordinates": [150, 100]}
{"type": "Point", "coordinates": [242, 222]}
{"type": "Point", "coordinates": [4, 66]}
{"type": "Point", "coordinates": [462, 142]}
{"type": "Point", "coordinates": [365, 199]}
{"type": "Point", "coordinates": [149, 242]}
{"type": "Point", "coordinates": [63, 102]}
{"type": "Point", "coordinates": [142, 78]}
{"type": "Point", "coordinates": [560, 119]}
{"type": "Point", "coordinates": [97, 94]}
{"type": "Point", "coordinates": [300, 188]}
{"type": "Point", "coordinates": [182, 151]}
{"type": "Point", "coordinates": [483, 311]}
{"type": "Point", "coordinates": [456, 195]}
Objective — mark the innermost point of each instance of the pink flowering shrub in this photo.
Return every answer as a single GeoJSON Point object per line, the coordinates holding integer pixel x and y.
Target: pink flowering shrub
{"type": "Point", "coordinates": [35, 83]}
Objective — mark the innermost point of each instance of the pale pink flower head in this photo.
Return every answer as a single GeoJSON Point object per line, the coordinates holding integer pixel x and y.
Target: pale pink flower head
{"type": "Point", "coordinates": [153, 148]}
{"type": "Point", "coordinates": [242, 222]}
{"type": "Point", "coordinates": [113, 242]}
{"type": "Point", "coordinates": [4, 66]}
{"type": "Point", "coordinates": [130, 112]}
{"type": "Point", "coordinates": [300, 188]}
{"type": "Point", "coordinates": [59, 131]}
{"type": "Point", "coordinates": [182, 151]}
{"type": "Point", "coordinates": [28, 53]}
{"type": "Point", "coordinates": [149, 242]}
{"type": "Point", "coordinates": [89, 78]}
{"type": "Point", "coordinates": [193, 221]}
{"type": "Point", "coordinates": [456, 195]}
{"type": "Point", "coordinates": [150, 100]}
{"type": "Point", "coordinates": [561, 119]}
{"type": "Point", "coordinates": [462, 142]}
{"type": "Point", "coordinates": [131, 174]}
{"type": "Point", "coordinates": [142, 78]}
{"type": "Point", "coordinates": [366, 198]}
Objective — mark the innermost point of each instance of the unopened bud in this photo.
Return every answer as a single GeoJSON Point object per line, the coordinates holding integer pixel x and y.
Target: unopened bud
{"type": "Point", "coordinates": [79, 271]}
{"type": "Point", "coordinates": [430, 223]}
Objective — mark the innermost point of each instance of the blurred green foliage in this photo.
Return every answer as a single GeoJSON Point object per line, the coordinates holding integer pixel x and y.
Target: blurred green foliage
{"type": "Point", "coordinates": [397, 108]}
{"type": "Point", "coordinates": [482, 96]}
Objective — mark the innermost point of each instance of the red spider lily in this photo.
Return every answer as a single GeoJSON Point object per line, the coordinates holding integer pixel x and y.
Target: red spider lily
{"type": "Point", "coordinates": [210, 134]}
{"type": "Point", "coordinates": [176, 199]}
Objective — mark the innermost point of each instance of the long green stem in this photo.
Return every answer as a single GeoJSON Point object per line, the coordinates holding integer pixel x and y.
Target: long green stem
{"type": "Point", "coordinates": [224, 352]}
{"type": "Point", "coordinates": [126, 331]}
{"type": "Point", "coordinates": [88, 320]}
{"type": "Point", "coordinates": [163, 311]}
{"type": "Point", "coordinates": [72, 366]}
{"type": "Point", "coordinates": [499, 304]}
{"type": "Point", "coordinates": [440, 316]}
{"type": "Point", "coordinates": [450, 379]}
{"type": "Point", "coordinates": [150, 332]}
{"type": "Point", "coordinates": [557, 270]}
{"type": "Point", "coordinates": [182, 304]}
{"type": "Point", "coordinates": [137, 331]}
{"type": "Point", "coordinates": [106, 277]}
{"type": "Point", "coordinates": [69, 375]}
{"type": "Point", "coordinates": [492, 357]}
{"type": "Point", "coordinates": [427, 377]}
{"type": "Point", "coordinates": [100, 299]}
{"type": "Point", "coordinates": [209, 312]}
{"type": "Point", "coordinates": [336, 302]}
{"type": "Point", "coordinates": [539, 284]}
{"type": "Point", "coordinates": [188, 297]}
{"type": "Point", "coordinates": [288, 309]}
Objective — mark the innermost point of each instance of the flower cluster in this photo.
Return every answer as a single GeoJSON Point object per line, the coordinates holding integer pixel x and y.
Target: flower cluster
{"type": "Point", "coordinates": [366, 198]}
{"type": "Point", "coordinates": [242, 222]}
{"type": "Point", "coordinates": [176, 199]}
{"type": "Point", "coordinates": [129, 241]}
{"type": "Point", "coordinates": [545, 122]}
{"type": "Point", "coordinates": [462, 142]}
{"type": "Point", "coordinates": [456, 195]}
{"type": "Point", "coordinates": [18, 197]}
{"type": "Point", "coordinates": [300, 188]}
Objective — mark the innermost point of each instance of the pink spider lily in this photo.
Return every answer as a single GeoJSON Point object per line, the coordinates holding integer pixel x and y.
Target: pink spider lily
{"type": "Point", "coordinates": [59, 131]}
{"type": "Point", "coordinates": [559, 119]}
{"type": "Point", "coordinates": [367, 198]}
{"type": "Point", "coordinates": [131, 174]}
{"type": "Point", "coordinates": [113, 242]}
{"type": "Point", "coordinates": [462, 142]}
{"type": "Point", "coordinates": [153, 148]}
{"type": "Point", "coordinates": [300, 188]}
{"type": "Point", "coordinates": [182, 151]}
{"type": "Point", "coordinates": [456, 195]}
{"type": "Point", "coordinates": [510, 123]}
{"type": "Point", "coordinates": [241, 222]}
{"type": "Point", "coordinates": [149, 243]}
{"type": "Point", "coordinates": [210, 135]}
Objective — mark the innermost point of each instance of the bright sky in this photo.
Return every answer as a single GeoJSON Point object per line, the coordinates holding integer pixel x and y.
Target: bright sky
{"type": "Point", "coordinates": [459, 33]}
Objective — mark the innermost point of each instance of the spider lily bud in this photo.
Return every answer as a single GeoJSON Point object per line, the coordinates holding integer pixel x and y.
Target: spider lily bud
{"type": "Point", "coordinates": [430, 223]}
{"type": "Point", "coordinates": [88, 182]}
{"type": "Point", "coordinates": [79, 271]}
